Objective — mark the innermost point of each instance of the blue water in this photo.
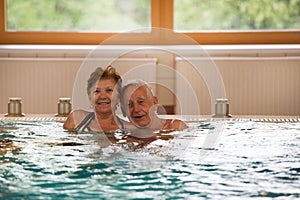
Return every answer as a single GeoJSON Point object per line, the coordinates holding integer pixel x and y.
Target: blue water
{"type": "Point", "coordinates": [210, 160]}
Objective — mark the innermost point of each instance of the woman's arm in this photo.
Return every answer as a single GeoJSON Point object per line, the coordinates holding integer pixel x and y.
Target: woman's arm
{"type": "Point", "coordinates": [73, 119]}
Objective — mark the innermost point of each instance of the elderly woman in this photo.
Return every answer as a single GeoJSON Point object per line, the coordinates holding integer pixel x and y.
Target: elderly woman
{"type": "Point", "coordinates": [103, 90]}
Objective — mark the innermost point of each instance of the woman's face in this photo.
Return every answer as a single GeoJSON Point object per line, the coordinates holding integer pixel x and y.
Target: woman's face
{"type": "Point", "coordinates": [104, 96]}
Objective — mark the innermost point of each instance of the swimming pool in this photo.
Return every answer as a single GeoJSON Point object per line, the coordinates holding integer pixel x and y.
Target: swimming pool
{"type": "Point", "coordinates": [213, 159]}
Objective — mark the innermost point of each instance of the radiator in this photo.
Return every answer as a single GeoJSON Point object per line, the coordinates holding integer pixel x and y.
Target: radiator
{"type": "Point", "coordinates": [41, 81]}
{"type": "Point", "coordinates": [253, 86]}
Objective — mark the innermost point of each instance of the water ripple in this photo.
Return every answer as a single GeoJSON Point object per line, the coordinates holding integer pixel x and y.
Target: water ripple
{"type": "Point", "coordinates": [251, 160]}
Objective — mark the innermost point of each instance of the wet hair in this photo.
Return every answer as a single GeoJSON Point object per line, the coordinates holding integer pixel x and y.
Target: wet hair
{"type": "Point", "coordinates": [110, 73]}
{"type": "Point", "coordinates": [136, 83]}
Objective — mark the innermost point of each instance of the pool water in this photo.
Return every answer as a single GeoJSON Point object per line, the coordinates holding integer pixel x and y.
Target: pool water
{"type": "Point", "coordinates": [210, 160]}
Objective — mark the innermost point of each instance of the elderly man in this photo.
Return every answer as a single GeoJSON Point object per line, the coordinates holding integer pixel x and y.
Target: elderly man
{"type": "Point", "coordinates": [140, 105]}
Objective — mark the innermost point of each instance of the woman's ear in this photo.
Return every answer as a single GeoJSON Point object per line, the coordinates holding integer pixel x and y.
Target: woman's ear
{"type": "Point", "coordinates": [90, 98]}
{"type": "Point", "coordinates": [91, 103]}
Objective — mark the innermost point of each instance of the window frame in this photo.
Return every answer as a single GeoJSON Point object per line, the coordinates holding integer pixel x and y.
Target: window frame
{"type": "Point", "coordinates": [161, 17]}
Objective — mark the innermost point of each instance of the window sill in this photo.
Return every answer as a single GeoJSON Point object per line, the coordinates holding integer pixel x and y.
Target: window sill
{"type": "Point", "coordinates": [82, 51]}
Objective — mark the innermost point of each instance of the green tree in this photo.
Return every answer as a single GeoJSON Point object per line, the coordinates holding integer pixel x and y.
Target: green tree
{"type": "Point", "coordinates": [77, 15]}
{"type": "Point", "coordinates": [121, 15]}
{"type": "Point", "coordinates": [236, 14]}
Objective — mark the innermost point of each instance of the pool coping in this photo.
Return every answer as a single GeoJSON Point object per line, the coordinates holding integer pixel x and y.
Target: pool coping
{"type": "Point", "coordinates": [186, 118]}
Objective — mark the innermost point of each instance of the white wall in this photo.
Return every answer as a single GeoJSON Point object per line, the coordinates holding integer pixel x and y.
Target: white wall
{"type": "Point", "coordinates": [258, 80]}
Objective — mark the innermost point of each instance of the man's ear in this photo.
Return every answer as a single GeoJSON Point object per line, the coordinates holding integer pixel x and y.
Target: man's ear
{"type": "Point", "coordinates": [155, 100]}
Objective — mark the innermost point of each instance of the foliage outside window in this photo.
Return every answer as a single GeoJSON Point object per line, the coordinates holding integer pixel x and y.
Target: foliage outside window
{"type": "Point", "coordinates": [206, 21]}
{"type": "Point", "coordinates": [77, 15]}
{"type": "Point", "coordinates": [237, 15]}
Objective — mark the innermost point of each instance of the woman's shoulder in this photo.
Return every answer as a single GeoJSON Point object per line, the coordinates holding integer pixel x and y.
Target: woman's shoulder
{"type": "Point", "coordinates": [81, 112]}
{"type": "Point", "coordinates": [74, 118]}
{"type": "Point", "coordinates": [78, 115]}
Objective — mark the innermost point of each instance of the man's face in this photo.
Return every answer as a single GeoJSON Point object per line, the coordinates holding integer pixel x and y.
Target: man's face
{"type": "Point", "coordinates": [138, 105]}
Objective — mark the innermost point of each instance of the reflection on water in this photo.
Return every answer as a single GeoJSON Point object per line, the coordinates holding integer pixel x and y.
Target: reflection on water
{"type": "Point", "coordinates": [210, 160]}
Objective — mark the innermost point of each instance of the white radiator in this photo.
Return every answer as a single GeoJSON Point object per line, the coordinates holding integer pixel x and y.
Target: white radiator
{"type": "Point", "coordinates": [254, 86]}
{"type": "Point", "coordinates": [41, 81]}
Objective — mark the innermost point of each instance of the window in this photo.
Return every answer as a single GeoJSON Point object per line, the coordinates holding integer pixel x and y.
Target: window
{"type": "Point", "coordinates": [77, 15]}
{"type": "Point", "coordinates": [236, 15]}
{"type": "Point", "coordinates": [205, 21]}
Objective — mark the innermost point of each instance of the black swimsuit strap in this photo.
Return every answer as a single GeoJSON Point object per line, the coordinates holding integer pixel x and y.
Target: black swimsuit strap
{"type": "Point", "coordinates": [85, 123]}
